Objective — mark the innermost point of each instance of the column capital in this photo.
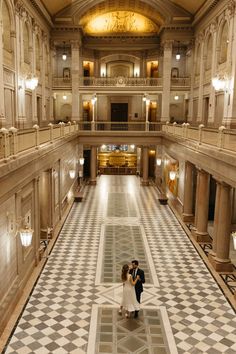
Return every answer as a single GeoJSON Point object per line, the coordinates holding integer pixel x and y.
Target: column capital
{"type": "Point", "coordinates": [167, 44]}
{"type": "Point", "coordinates": [75, 44]}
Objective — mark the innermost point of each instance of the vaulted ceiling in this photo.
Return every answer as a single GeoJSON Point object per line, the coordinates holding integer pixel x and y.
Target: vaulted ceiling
{"type": "Point", "coordinates": [56, 6]}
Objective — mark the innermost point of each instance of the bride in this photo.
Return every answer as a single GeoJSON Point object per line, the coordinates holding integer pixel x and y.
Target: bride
{"type": "Point", "coordinates": [129, 302]}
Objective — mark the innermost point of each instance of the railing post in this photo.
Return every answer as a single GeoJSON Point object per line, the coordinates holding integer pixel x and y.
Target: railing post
{"type": "Point", "coordinates": [36, 127]}
{"type": "Point", "coordinates": [147, 126]}
{"type": "Point", "coordinates": [74, 122]}
{"type": "Point", "coordinates": [51, 132]}
{"type": "Point", "coordinates": [187, 125]}
{"type": "Point", "coordinates": [174, 124]}
{"type": "Point", "coordinates": [93, 125]}
{"type": "Point", "coordinates": [183, 130]}
{"type": "Point", "coordinates": [69, 123]}
{"type": "Point", "coordinates": [201, 126]}
{"type": "Point", "coordinates": [6, 146]}
{"type": "Point", "coordinates": [167, 127]}
{"type": "Point", "coordinates": [13, 130]}
{"type": "Point", "coordinates": [221, 137]}
{"type": "Point", "coordinates": [62, 130]}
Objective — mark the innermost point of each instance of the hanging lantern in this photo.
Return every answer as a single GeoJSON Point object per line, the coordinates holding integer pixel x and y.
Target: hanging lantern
{"type": "Point", "coordinates": [158, 161]}
{"type": "Point", "coordinates": [26, 236]}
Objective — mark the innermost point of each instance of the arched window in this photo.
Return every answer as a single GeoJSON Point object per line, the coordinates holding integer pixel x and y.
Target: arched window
{"type": "Point", "coordinates": [26, 43]}
{"type": "Point", "coordinates": [209, 48]}
{"type": "Point", "coordinates": [224, 39]}
{"type": "Point", "coordinates": [6, 20]}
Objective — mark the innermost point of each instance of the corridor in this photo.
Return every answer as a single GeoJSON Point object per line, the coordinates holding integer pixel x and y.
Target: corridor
{"type": "Point", "coordinates": [74, 305]}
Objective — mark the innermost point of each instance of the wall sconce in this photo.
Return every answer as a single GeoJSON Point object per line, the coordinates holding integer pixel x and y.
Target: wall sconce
{"type": "Point", "coordinates": [31, 82]}
{"type": "Point", "coordinates": [72, 174]}
{"type": "Point", "coordinates": [144, 97]}
{"type": "Point", "coordinates": [178, 56]}
{"type": "Point", "coordinates": [94, 99]}
{"type": "Point", "coordinates": [26, 235]}
{"type": "Point", "coordinates": [64, 56]}
{"type": "Point", "coordinates": [176, 97]}
{"type": "Point", "coordinates": [220, 82]}
{"type": "Point", "coordinates": [172, 175]}
{"type": "Point", "coordinates": [81, 161]}
{"type": "Point", "coordinates": [158, 161]}
{"type": "Point", "coordinates": [233, 234]}
{"type": "Point", "coordinates": [64, 97]}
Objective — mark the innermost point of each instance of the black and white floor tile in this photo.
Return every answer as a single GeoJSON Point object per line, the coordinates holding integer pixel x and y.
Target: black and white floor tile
{"type": "Point", "coordinates": [77, 294]}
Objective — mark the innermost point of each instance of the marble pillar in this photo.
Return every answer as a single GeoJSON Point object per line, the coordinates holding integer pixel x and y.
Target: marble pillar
{"type": "Point", "coordinates": [187, 215]}
{"type": "Point", "coordinates": [202, 205]}
{"type": "Point", "coordinates": [145, 181]}
{"type": "Point", "coordinates": [221, 262]}
{"type": "Point", "coordinates": [93, 165]}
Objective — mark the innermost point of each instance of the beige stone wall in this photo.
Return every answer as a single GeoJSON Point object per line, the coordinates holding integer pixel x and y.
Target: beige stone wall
{"type": "Point", "coordinates": [38, 192]}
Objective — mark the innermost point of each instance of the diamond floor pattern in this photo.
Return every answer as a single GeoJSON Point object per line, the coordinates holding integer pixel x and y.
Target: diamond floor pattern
{"type": "Point", "coordinates": [57, 318]}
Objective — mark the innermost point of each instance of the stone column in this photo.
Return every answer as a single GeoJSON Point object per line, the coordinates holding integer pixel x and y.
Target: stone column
{"type": "Point", "coordinates": [144, 181]}
{"type": "Point", "coordinates": [75, 65]}
{"type": "Point", "coordinates": [167, 63]}
{"type": "Point", "coordinates": [221, 262]}
{"type": "Point", "coordinates": [2, 109]}
{"type": "Point", "coordinates": [33, 66]}
{"type": "Point", "coordinates": [42, 70]}
{"type": "Point", "coordinates": [93, 165]}
{"type": "Point", "coordinates": [202, 205]}
{"type": "Point", "coordinates": [188, 193]}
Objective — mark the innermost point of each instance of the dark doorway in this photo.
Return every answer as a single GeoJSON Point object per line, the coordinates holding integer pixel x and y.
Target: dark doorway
{"type": "Point", "coordinates": [87, 157]}
{"type": "Point", "coordinates": [212, 199]}
{"type": "Point", "coordinates": [119, 113]}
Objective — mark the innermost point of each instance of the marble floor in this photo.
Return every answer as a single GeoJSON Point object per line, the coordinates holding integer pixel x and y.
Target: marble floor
{"type": "Point", "coordinates": [74, 305]}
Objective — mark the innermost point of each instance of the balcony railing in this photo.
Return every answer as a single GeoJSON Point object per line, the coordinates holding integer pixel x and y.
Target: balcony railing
{"type": "Point", "coordinates": [14, 142]}
{"type": "Point", "coordinates": [223, 139]}
{"type": "Point", "coordinates": [119, 81]}
{"type": "Point", "coordinates": [61, 82]}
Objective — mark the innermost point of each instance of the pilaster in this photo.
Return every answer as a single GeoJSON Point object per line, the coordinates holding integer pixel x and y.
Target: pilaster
{"type": "Point", "coordinates": [2, 109]}
{"type": "Point", "coordinates": [75, 65]}
{"type": "Point", "coordinates": [167, 62]}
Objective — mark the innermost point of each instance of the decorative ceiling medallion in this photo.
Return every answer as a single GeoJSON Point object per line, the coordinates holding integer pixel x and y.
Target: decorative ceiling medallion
{"type": "Point", "coordinates": [120, 22]}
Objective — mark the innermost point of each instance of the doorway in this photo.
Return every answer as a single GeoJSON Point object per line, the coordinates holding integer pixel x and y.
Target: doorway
{"type": "Point", "coordinates": [119, 113]}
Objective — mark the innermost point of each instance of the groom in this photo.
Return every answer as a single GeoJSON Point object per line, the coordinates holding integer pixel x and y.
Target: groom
{"type": "Point", "coordinates": [139, 285]}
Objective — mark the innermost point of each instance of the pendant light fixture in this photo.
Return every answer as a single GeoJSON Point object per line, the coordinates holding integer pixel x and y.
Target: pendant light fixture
{"type": "Point", "coordinates": [64, 56]}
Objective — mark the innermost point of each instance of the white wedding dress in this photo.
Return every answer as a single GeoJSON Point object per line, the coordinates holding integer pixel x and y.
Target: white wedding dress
{"type": "Point", "coordinates": [129, 301]}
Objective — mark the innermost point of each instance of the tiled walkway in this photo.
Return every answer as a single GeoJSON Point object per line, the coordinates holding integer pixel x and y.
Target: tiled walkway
{"type": "Point", "coordinates": [73, 308]}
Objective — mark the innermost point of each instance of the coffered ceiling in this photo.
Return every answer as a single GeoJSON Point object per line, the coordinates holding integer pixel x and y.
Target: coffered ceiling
{"type": "Point", "coordinates": [56, 6]}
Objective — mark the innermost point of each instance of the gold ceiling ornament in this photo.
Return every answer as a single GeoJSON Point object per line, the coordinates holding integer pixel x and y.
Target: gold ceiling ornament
{"type": "Point", "coordinates": [120, 22]}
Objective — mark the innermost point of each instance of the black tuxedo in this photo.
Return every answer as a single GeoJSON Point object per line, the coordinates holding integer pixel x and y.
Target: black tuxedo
{"type": "Point", "coordinates": [140, 282]}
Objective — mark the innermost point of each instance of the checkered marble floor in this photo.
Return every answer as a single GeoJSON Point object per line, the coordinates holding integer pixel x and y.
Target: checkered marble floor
{"type": "Point", "coordinates": [58, 317]}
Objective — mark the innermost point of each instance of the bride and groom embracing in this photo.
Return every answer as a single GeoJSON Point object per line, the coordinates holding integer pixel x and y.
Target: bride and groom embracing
{"type": "Point", "coordinates": [133, 278]}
